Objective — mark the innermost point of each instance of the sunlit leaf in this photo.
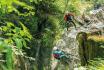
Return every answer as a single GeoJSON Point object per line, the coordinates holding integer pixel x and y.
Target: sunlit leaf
{"type": "Point", "coordinates": [18, 43]}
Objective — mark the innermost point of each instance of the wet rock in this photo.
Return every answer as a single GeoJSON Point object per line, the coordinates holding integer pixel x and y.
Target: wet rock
{"type": "Point", "coordinates": [68, 42]}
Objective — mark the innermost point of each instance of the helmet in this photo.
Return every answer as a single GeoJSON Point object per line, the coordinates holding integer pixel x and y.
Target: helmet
{"type": "Point", "coordinates": [66, 12]}
{"type": "Point", "coordinates": [55, 48]}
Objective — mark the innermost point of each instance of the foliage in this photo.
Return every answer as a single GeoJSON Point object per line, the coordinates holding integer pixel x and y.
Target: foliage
{"type": "Point", "coordinates": [36, 24]}
{"type": "Point", "coordinates": [4, 47]}
{"type": "Point", "coordinates": [96, 64]}
{"type": "Point", "coordinates": [7, 6]}
{"type": "Point", "coordinates": [12, 33]}
{"type": "Point", "coordinates": [97, 38]}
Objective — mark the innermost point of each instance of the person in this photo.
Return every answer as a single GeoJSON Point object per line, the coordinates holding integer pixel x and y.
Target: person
{"type": "Point", "coordinates": [69, 18]}
{"type": "Point", "coordinates": [97, 6]}
{"type": "Point", "coordinates": [58, 54]}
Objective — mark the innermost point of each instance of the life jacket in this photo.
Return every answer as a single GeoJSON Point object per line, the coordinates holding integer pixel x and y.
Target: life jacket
{"type": "Point", "coordinates": [68, 17]}
{"type": "Point", "coordinates": [57, 54]}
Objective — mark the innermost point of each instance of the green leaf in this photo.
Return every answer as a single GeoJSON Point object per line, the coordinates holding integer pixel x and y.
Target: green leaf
{"type": "Point", "coordinates": [23, 4]}
{"type": "Point", "coordinates": [5, 28]}
{"type": "Point", "coordinates": [9, 58]}
{"type": "Point", "coordinates": [3, 46]}
{"type": "Point", "coordinates": [9, 34]}
{"type": "Point", "coordinates": [22, 33]}
{"type": "Point", "coordinates": [24, 43]}
{"type": "Point", "coordinates": [17, 30]}
{"type": "Point", "coordinates": [9, 41]}
{"type": "Point", "coordinates": [9, 24]}
{"type": "Point", "coordinates": [4, 67]}
{"type": "Point", "coordinates": [26, 31]}
{"type": "Point", "coordinates": [18, 43]}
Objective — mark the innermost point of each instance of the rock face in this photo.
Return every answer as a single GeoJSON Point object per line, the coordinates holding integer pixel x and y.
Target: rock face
{"type": "Point", "coordinates": [69, 45]}
{"type": "Point", "coordinates": [74, 41]}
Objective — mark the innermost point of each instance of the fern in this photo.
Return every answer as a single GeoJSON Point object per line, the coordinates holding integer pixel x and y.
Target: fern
{"type": "Point", "coordinates": [9, 58]}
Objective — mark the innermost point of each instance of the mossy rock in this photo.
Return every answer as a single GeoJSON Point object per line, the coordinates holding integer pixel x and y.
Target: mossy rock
{"type": "Point", "coordinates": [90, 46]}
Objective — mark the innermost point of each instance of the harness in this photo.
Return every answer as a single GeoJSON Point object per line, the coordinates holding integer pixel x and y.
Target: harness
{"type": "Point", "coordinates": [68, 17]}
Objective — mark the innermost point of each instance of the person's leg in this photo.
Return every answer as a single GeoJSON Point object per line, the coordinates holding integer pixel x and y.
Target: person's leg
{"type": "Point", "coordinates": [67, 25]}
{"type": "Point", "coordinates": [73, 23]}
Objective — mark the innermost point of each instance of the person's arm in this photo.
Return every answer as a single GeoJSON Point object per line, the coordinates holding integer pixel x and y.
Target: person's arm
{"type": "Point", "coordinates": [65, 17]}
{"type": "Point", "coordinates": [72, 15]}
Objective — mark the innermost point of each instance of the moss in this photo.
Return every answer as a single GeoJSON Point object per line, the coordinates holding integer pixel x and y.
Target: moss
{"type": "Point", "coordinates": [96, 38]}
{"type": "Point", "coordinates": [83, 49]}
{"type": "Point", "coordinates": [90, 46]}
{"type": "Point", "coordinates": [96, 64]}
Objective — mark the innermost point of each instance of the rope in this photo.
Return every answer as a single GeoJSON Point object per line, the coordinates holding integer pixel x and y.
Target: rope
{"type": "Point", "coordinates": [64, 10]}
